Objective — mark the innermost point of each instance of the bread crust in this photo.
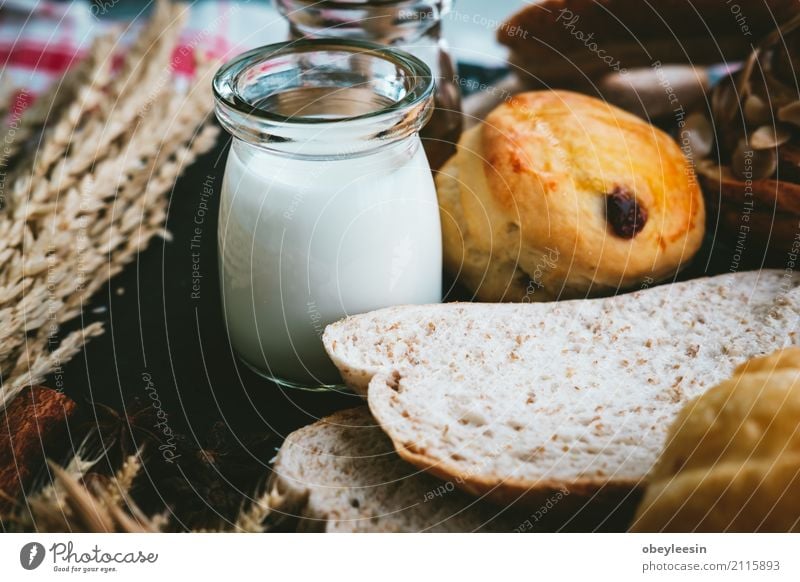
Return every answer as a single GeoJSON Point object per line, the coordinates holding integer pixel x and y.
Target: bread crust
{"type": "Point", "coordinates": [549, 42]}
{"type": "Point", "coordinates": [323, 467]}
{"type": "Point", "coordinates": [503, 491]}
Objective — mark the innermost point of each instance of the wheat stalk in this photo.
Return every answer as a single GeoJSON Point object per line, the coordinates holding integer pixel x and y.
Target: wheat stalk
{"type": "Point", "coordinates": [69, 504]}
{"type": "Point", "coordinates": [94, 192]}
{"type": "Point", "coordinates": [251, 519]}
{"type": "Point", "coordinates": [77, 500]}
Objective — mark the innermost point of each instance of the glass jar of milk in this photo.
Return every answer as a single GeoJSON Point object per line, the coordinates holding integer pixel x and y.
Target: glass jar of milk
{"type": "Point", "coordinates": [328, 206]}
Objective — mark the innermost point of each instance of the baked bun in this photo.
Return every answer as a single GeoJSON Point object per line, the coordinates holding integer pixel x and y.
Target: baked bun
{"type": "Point", "coordinates": [732, 459]}
{"type": "Point", "coordinates": [559, 195]}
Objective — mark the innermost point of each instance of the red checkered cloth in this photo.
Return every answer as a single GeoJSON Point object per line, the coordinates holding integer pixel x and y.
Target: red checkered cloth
{"type": "Point", "coordinates": [40, 39]}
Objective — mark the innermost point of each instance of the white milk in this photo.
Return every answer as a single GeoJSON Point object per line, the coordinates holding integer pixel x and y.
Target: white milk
{"type": "Point", "coordinates": [304, 243]}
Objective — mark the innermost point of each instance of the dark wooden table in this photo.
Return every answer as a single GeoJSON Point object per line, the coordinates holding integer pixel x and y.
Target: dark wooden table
{"type": "Point", "coordinates": [165, 334]}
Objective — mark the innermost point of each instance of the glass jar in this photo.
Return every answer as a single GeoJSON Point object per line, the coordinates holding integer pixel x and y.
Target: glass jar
{"type": "Point", "coordinates": [414, 26]}
{"type": "Point", "coordinates": [328, 206]}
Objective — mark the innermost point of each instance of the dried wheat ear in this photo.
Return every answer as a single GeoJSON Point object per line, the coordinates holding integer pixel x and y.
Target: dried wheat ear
{"type": "Point", "coordinates": [91, 163]}
{"type": "Point", "coordinates": [74, 498]}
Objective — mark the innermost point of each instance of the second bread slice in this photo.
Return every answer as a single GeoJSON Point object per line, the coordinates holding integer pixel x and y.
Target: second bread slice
{"type": "Point", "coordinates": [519, 400]}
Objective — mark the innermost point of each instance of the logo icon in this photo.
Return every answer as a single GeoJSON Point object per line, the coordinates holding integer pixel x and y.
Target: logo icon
{"type": "Point", "coordinates": [31, 555]}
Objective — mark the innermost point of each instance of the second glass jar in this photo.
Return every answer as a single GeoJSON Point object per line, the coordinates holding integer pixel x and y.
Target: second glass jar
{"type": "Point", "coordinates": [414, 26]}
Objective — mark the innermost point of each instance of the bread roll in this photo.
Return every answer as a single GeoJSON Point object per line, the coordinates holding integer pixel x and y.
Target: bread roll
{"type": "Point", "coordinates": [569, 42]}
{"type": "Point", "coordinates": [559, 195]}
{"type": "Point", "coordinates": [732, 459]}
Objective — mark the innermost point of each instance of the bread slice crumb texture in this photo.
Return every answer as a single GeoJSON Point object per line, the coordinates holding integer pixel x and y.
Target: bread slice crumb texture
{"type": "Point", "coordinates": [519, 399]}
{"type": "Point", "coordinates": [348, 478]}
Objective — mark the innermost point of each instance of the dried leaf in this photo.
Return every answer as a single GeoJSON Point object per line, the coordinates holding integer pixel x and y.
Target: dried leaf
{"type": "Point", "coordinates": [769, 137]}
{"type": "Point", "coordinates": [757, 111]}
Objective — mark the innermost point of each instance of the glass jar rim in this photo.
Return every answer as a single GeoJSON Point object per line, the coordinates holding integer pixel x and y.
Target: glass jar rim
{"type": "Point", "coordinates": [225, 83]}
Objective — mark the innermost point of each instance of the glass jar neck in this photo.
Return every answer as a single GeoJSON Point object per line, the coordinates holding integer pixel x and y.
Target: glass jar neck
{"type": "Point", "coordinates": [388, 22]}
{"type": "Point", "coordinates": [323, 99]}
{"type": "Point", "coordinates": [391, 154]}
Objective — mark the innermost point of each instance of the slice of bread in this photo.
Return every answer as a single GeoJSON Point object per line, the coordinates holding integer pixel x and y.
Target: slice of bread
{"type": "Point", "coordinates": [344, 476]}
{"type": "Point", "coordinates": [515, 400]}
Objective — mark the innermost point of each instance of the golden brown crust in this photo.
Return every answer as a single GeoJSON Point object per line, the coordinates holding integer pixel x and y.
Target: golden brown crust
{"type": "Point", "coordinates": [505, 491]}
{"type": "Point", "coordinates": [535, 183]}
{"type": "Point", "coordinates": [754, 498]}
{"type": "Point", "coordinates": [551, 38]}
{"type": "Point", "coordinates": [782, 360]}
{"type": "Point", "coordinates": [732, 459]}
